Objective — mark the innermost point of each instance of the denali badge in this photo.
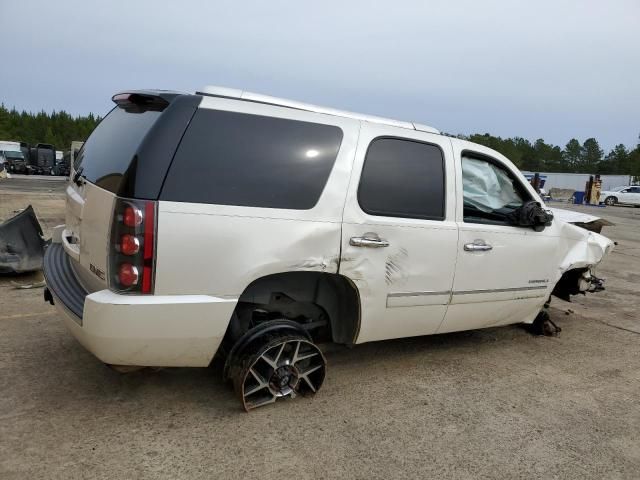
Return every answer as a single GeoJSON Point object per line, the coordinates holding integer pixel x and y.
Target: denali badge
{"type": "Point", "coordinates": [97, 271]}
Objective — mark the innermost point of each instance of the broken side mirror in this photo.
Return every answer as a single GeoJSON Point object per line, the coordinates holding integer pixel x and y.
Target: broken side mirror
{"type": "Point", "coordinates": [531, 214]}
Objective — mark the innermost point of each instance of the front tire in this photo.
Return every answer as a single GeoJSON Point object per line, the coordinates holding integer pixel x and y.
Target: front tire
{"type": "Point", "coordinates": [610, 201]}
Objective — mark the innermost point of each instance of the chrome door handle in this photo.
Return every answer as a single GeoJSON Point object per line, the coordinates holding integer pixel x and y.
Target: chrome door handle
{"type": "Point", "coordinates": [369, 239]}
{"type": "Point", "coordinates": [477, 246]}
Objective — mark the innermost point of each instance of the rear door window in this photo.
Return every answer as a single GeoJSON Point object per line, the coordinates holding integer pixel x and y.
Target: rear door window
{"type": "Point", "coordinates": [230, 158]}
{"type": "Point", "coordinates": [402, 178]}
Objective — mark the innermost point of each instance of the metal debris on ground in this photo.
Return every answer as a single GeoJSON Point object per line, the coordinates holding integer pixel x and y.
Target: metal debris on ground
{"type": "Point", "coordinates": [21, 243]}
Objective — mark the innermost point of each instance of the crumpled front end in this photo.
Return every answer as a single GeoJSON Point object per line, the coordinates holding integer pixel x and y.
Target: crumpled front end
{"type": "Point", "coordinates": [582, 251]}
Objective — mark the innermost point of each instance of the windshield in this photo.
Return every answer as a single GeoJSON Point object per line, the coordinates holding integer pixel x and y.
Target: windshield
{"type": "Point", "coordinates": [14, 155]}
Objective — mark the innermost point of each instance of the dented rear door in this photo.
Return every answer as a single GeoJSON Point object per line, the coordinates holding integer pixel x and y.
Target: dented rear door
{"type": "Point", "coordinates": [399, 236]}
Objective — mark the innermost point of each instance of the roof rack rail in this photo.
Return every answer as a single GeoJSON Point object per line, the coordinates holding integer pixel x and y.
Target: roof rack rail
{"type": "Point", "coordinates": [224, 92]}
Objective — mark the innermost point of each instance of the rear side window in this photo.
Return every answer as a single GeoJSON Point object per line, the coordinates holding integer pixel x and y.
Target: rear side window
{"type": "Point", "coordinates": [230, 158]}
{"type": "Point", "coordinates": [403, 178]}
{"type": "Point", "coordinates": [111, 147]}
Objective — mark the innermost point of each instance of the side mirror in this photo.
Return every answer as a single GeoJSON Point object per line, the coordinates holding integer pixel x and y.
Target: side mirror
{"type": "Point", "coordinates": [531, 214]}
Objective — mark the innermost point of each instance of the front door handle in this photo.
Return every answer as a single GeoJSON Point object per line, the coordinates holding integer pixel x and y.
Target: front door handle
{"type": "Point", "coordinates": [370, 240]}
{"type": "Point", "coordinates": [477, 246]}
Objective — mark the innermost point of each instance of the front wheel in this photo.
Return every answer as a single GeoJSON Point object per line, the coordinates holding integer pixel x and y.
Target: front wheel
{"type": "Point", "coordinates": [279, 366]}
{"type": "Point", "coordinates": [610, 201]}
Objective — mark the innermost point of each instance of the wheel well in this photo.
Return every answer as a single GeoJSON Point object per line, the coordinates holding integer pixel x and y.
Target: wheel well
{"type": "Point", "coordinates": [569, 284]}
{"type": "Point", "coordinates": [326, 305]}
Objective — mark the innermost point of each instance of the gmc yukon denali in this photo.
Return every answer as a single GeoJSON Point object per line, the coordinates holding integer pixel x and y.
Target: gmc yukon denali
{"type": "Point", "coordinates": [257, 228]}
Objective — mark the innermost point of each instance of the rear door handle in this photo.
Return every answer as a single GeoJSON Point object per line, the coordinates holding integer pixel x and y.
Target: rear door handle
{"type": "Point", "coordinates": [370, 240]}
{"type": "Point", "coordinates": [477, 246]}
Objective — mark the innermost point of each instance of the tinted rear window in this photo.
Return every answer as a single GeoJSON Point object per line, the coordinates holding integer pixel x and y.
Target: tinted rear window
{"type": "Point", "coordinates": [110, 149]}
{"type": "Point", "coordinates": [230, 158]}
{"type": "Point", "coordinates": [402, 178]}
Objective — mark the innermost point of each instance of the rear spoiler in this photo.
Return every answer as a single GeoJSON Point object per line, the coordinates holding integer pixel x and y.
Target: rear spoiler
{"type": "Point", "coordinates": [137, 101]}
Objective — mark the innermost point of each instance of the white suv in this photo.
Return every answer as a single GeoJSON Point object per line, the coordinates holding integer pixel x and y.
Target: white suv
{"type": "Point", "coordinates": [256, 228]}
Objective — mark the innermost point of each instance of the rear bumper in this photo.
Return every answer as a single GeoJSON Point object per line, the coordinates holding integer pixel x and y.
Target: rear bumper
{"type": "Point", "coordinates": [145, 330]}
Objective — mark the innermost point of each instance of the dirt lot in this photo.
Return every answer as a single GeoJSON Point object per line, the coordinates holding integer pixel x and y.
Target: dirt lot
{"type": "Point", "coordinates": [496, 403]}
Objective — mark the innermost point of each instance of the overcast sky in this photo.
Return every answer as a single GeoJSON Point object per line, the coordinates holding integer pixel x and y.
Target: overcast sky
{"type": "Point", "coordinates": [544, 69]}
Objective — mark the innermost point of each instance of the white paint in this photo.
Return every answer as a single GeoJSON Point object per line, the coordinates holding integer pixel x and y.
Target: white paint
{"type": "Point", "coordinates": [421, 254]}
{"type": "Point", "coordinates": [152, 330]}
{"type": "Point", "coordinates": [422, 283]}
{"type": "Point", "coordinates": [260, 98]}
{"type": "Point", "coordinates": [570, 216]}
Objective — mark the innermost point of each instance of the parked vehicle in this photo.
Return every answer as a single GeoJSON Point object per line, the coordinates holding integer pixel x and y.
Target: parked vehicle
{"type": "Point", "coordinates": [42, 159]}
{"type": "Point", "coordinates": [14, 161]}
{"type": "Point", "coordinates": [629, 195]}
{"type": "Point", "coordinates": [257, 228]}
{"type": "Point", "coordinates": [11, 157]}
{"type": "Point", "coordinates": [62, 164]}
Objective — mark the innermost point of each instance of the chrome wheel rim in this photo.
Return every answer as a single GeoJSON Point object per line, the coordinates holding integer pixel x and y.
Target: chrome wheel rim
{"type": "Point", "coordinates": [283, 368]}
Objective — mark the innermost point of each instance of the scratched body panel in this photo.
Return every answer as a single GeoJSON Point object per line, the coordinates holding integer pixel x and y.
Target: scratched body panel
{"type": "Point", "coordinates": [240, 244]}
{"type": "Point", "coordinates": [405, 287]}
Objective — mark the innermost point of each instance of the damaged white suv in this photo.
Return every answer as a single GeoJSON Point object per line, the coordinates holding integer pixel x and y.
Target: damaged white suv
{"type": "Point", "coordinates": [256, 228]}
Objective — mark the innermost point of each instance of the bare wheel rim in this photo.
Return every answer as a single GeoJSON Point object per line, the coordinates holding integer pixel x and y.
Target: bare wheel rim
{"type": "Point", "coordinates": [284, 368]}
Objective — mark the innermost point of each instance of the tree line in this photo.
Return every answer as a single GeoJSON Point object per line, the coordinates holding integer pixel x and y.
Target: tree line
{"type": "Point", "coordinates": [61, 128]}
{"type": "Point", "coordinates": [575, 157]}
{"type": "Point", "coordinates": [56, 128]}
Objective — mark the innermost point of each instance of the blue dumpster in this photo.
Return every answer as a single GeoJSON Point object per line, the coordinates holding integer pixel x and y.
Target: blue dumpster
{"type": "Point", "coordinates": [578, 197]}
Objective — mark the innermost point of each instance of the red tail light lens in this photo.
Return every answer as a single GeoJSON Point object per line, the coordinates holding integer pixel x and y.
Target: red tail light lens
{"type": "Point", "coordinates": [149, 246]}
{"type": "Point", "coordinates": [132, 216]}
{"type": "Point", "coordinates": [127, 275]}
{"type": "Point", "coordinates": [129, 244]}
{"type": "Point", "coordinates": [132, 250]}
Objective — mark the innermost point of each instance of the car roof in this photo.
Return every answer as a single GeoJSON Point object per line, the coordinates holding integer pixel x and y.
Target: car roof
{"type": "Point", "coordinates": [224, 92]}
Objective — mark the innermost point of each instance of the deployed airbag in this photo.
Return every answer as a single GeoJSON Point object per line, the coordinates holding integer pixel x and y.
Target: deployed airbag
{"type": "Point", "coordinates": [487, 187]}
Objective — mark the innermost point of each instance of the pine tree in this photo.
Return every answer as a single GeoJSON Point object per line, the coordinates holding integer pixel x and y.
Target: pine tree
{"type": "Point", "coordinates": [572, 155]}
{"type": "Point", "coordinates": [57, 128]}
{"type": "Point", "coordinates": [616, 161]}
{"type": "Point", "coordinates": [591, 155]}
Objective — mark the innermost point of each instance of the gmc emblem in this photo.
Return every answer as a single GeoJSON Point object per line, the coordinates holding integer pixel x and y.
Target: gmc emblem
{"type": "Point", "coordinates": [99, 273]}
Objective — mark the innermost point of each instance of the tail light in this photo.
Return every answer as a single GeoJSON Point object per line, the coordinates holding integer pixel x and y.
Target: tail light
{"type": "Point", "coordinates": [132, 246]}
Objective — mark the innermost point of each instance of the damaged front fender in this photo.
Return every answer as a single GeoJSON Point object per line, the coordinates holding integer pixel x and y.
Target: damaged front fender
{"type": "Point", "coordinates": [21, 243]}
{"type": "Point", "coordinates": [583, 252]}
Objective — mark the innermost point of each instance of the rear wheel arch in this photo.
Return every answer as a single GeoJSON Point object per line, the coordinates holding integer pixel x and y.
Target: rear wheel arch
{"type": "Point", "coordinates": [326, 305]}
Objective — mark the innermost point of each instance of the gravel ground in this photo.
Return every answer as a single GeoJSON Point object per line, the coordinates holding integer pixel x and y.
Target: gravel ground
{"type": "Point", "coordinates": [495, 403]}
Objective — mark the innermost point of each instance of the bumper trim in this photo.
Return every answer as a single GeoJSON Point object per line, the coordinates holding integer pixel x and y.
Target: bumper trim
{"type": "Point", "coordinates": [61, 280]}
